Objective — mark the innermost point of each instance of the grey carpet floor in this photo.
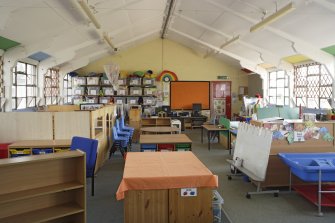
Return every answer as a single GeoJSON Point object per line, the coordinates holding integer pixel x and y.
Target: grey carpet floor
{"type": "Point", "coordinates": [287, 208]}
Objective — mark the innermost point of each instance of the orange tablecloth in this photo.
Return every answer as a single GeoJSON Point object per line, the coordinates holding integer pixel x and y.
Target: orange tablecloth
{"type": "Point", "coordinates": [164, 170]}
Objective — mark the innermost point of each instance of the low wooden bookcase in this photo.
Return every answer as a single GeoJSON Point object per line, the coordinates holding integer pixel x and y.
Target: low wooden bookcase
{"type": "Point", "coordinates": [45, 188]}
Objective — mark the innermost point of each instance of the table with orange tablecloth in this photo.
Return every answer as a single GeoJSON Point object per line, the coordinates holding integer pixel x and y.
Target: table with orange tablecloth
{"type": "Point", "coordinates": [152, 184]}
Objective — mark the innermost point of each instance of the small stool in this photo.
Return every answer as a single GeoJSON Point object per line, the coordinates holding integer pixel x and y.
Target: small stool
{"type": "Point", "coordinates": [176, 123]}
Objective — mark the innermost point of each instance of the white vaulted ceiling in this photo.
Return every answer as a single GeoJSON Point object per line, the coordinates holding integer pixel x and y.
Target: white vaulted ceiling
{"type": "Point", "coordinates": [61, 29]}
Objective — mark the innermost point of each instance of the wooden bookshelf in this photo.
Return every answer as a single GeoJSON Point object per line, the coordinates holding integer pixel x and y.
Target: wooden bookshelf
{"type": "Point", "coordinates": [43, 188]}
{"type": "Point", "coordinates": [147, 122]}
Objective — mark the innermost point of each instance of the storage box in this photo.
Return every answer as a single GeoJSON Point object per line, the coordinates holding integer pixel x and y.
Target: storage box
{"type": "Point", "coordinates": [94, 100]}
{"type": "Point", "coordinates": [122, 81]}
{"type": "Point", "coordinates": [58, 150]}
{"type": "Point", "coordinates": [119, 100]}
{"type": "Point", "coordinates": [165, 147]}
{"type": "Point", "coordinates": [306, 166]}
{"type": "Point", "coordinates": [76, 100]}
{"type": "Point", "coordinates": [104, 100]}
{"type": "Point", "coordinates": [79, 81]}
{"type": "Point", "coordinates": [78, 91]}
{"type": "Point", "coordinates": [122, 91]}
{"type": "Point", "coordinates": [105, 81]}
{"type": "Point", "coordinates": [4, 150]}
{"type": "Point", "coordinates": [19, 152]}
{"type": "Point", "coordinates": [149, 101]}
{"type": "Point", "coordinates": [40, 151]}
{"type": "Point", "coordinates": [93, 90]}
{"type": "Point", "coordinates": [135, 81]}
{"type": "Point", "coordinates": [135, 91]}
{"type": "Point", "coordinates": [148, 147]}
{"type": "Point", "coordinates": [92, 80]}
{"type": "Point", "coordinates": [217, 203]}
{"type": "Point", "coordinates": [148, 81]}
{"type": "Point", "coordinates": [132, 101]}
{"type": "Point", "coordinates": [108, 91]}
{"type": "Point", "coordinates": [149, 91]}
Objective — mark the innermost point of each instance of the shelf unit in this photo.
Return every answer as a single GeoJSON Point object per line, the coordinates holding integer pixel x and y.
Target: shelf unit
{"type": "Point", "coordinates": [37, 147]}
{"type": "Point", "coordinates": [147, 122]}
{"type": "Point", "coordinates": [44, 188]}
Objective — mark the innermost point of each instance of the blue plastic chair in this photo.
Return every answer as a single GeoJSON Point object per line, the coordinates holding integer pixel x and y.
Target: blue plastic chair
{"type": "Point", "coordinates": [90, 147]}
{"type": "Point", "coordinates": [127, 129]}
{"type": "Point", "coordinates": [120, 132]}
{"type": "Point", "coordinates": [119, 142]}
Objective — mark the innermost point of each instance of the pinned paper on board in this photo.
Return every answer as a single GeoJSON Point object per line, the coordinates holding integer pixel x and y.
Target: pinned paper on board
{"type": "Point", "coordinates": [298, 136]}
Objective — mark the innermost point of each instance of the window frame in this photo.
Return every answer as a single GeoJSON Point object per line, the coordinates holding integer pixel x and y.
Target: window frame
{"type": "Point", "coordinates": [51, 85]}
{"type": "Point", "coordinates": [26, 85]}
{"type": "Point", "coordinates": [286, 88]}
{"type": "Point", "coordinates": [67, 91]}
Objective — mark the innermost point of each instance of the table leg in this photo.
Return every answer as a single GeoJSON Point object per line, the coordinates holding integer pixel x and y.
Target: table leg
{"type": "Point", "coordinates": [202, 135]}
{"type": "Point", "coordinates": [209, 140]}
{"type": "Point", "coordinates": [229, 143]}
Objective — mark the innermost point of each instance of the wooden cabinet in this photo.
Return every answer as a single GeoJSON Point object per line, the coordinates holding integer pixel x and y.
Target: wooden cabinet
{"type": "Point", "coordinates": [46, 188]}
{"type": "Point", "coordinates": [147, 122]}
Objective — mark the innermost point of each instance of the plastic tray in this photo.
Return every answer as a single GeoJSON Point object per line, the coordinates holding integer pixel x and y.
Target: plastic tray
{"type": "Point", "coordinates": [306, 166]}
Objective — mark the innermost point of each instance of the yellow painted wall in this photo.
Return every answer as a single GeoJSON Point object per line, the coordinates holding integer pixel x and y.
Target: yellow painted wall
{"type": "Point", "coordinates": [159, 55]}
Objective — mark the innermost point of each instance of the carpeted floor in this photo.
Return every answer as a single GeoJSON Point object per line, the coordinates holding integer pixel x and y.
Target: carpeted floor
{"type": "Point", "coordinates": [288, 207]}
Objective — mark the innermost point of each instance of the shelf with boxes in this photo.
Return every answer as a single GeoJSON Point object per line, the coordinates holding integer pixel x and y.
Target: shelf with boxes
{"type": "Point", "coordinates": [92, 90]}
{"type": "Point", "coordinates": [37, 147]}
{"type": "Point", "coordinates": [132, 88]}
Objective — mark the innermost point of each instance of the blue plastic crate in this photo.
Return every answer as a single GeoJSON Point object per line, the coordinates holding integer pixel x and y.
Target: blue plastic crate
{"type": "Point", "coordinates": [40, 151]}
{"type": "Point", "coordinates": [306, 166]}
{"type": "Point", "coordinates": [148, 148]}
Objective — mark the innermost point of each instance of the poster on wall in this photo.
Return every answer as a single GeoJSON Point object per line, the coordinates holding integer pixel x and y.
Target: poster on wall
{"type": "Point", "coordinates": [219, 106]}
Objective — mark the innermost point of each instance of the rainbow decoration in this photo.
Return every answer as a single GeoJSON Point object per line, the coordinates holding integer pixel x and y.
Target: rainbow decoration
{"type": "Point", "coordinates": [167, 76]}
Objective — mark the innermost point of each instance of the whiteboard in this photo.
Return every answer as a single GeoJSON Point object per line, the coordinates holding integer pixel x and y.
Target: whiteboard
{"type": "Point", "coordinates": [253, 146]}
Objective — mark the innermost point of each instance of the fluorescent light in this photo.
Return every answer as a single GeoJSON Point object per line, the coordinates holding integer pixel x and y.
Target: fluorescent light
{"type": "Point", "coordinates": [232, 40]}
{"type": "Point", "coordinates": [108, 40]}
{"type": "Point", "coordinates": [89, 13]}
{"type": "Point", "coordinates": [270, 19]}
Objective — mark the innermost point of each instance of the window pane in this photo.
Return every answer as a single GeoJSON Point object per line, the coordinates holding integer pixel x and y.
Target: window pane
{"type": "Point", "coordinates": [31, 79]}
{"type": "Point", "coordinates": [286, 101]}
{"type": "Point", "coordinates": [272, 92]}
{"type": "Point", "coordinates": [32, 102]}
{"type": "Point", "coordinates": [312, 103]}
{"type": "Point", "coordinates": [31, 91]}
{"type": "Point", "coordinates": [21, 103]}
{"type": "Point", "coordinates": [48, 100]}
{"type": "Point", "coordinates": [272, 100]}
{"type": "Point", "coordinates": [280, 83]}
{"type": "Point", "coordinates": [280, 92]}
{"type": "Point", "coordinates": [21, 91]}
{"type": "Point", "coordinates": [21, 79]}
{"type": "Point", "coordinates": [324, 103]}
{"type": "Point", "coordinates": [280, 100]}
{"type": "Point", "coordinates": [280, 74]}
{"type": "Point", "coordinates": [30, 69]}
{"type": "Point", "coordinates": [287, 92]}
{"type": "Point", "coordinates": [273, 83]}
{"type": "Point", "coordinates": [273, 76]}
{"type": "Point", "coordinates": [13, 91]}
{"type": "Point", "coordinates": [301, 102]}
{"type": "Point", "coordinates": [21, 67]}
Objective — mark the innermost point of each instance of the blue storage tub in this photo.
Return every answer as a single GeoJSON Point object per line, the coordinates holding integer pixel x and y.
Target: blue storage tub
{"type": "Point", "coordinates": [148, 147]}
{"type": "Point", "coordinates": [40, 151]}
{"type": "Point", "coordinates": [306, 166]}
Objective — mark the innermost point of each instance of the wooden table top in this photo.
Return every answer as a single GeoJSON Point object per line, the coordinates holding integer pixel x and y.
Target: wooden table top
{"type": "Point", "coordinates": [214, 128]}
{"type": "Point", "coordinates": [41, 143]}
{"type": "Point", "coordinates": [160, 129]}
{"type": "Point", "coordinates": [164, 138]}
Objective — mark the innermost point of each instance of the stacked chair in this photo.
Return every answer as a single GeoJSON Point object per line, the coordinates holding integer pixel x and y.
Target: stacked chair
{"type": "Point", "coordinates": [127, 129]}
{"type": "Point", "coordinates": [120, 142]}
{"type": "Point", "coordinates": [123, 133]}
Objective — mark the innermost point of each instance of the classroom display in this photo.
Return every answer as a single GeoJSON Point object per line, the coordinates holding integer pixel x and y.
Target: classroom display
{"type": "Point", "coordinates": [183, 94]}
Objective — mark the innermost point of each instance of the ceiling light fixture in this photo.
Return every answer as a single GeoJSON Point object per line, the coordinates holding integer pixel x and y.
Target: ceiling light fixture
{"type": "Point", "coordinates": [108, 40]}
{"type": "Point", "coordinates": [89, 13]}
{"type": "Point", "coordinates": [232, 40]}
{"type": "Point", "coordinates": [272, 18]}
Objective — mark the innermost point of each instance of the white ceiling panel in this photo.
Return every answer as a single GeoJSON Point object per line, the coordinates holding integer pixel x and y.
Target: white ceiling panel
{"type": "Point", "coordinates": [62, 27]}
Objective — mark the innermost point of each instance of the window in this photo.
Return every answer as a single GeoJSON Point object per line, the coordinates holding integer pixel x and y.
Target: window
{"type": "Point", "coordinates": [312, 86]}
{"type": "Point", "coordinates": [51, 87]}
{"type": "Point", "coordinates": [279, 93]}
{"type": "Point", "coordinates": [67, 89]}
{"type": "Point", "coordinates": [24, 86]}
